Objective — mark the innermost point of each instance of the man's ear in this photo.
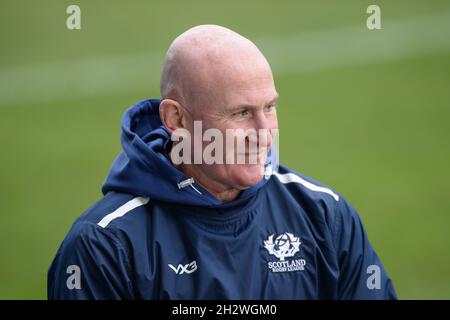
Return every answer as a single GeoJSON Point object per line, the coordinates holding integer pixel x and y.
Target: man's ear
{"type": "Point", "coordinates": [171, 114]}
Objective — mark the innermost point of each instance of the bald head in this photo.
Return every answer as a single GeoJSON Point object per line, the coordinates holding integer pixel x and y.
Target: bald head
{"type": "Point", "coordinates": [206, 62]}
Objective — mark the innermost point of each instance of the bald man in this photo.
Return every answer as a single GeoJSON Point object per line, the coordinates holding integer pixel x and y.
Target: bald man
{"type": "Point", "coordinates": [197, 207]}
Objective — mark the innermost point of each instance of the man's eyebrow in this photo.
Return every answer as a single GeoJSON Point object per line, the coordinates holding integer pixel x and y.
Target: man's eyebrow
{"type": "Point", "coordinates": [274, 100]}
{"type": "Point", "coordinates": [249, 106]}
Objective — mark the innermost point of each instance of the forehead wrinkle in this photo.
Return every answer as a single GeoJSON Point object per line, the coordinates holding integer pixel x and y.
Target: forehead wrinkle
{"type": "Point", "coordinates": [252, 106]}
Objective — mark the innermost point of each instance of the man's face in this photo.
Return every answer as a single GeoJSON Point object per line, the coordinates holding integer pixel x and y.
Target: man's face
{"type": "Point", "coordinates": [243, 99]}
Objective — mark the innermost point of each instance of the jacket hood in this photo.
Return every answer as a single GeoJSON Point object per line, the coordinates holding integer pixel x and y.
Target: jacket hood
{"type": "Point", "coordinates": [144, 168]}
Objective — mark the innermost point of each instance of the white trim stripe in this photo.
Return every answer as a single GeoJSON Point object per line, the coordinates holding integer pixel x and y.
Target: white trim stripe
{"type": "Point", "coordinates": [290, 177]}
{"type": "Point", "coordinates": [124, 209]}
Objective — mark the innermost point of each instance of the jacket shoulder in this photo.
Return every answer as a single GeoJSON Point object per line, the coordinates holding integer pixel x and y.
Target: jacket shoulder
{"type": "Point", "coordinates": [305, 186]}
{"type": "Point", "coordinates": [114, 211]}
{"type": "Point", "coordinates": [317, 201]}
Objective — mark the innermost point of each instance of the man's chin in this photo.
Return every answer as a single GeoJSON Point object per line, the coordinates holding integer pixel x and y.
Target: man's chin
{"type": "Point", "coordinates": [248, 175]}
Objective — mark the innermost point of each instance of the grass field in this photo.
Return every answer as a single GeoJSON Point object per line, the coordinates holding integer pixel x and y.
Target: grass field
{"type": "Point", "coordinates": [365, 112]}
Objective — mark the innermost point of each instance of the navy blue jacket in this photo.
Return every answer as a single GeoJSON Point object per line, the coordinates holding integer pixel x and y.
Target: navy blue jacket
{"type": "Point", "coordinates": [150, 237]}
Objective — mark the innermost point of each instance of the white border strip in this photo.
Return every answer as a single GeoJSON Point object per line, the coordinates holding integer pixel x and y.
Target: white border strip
{"type": "Point", "coordinates": [290, 177]}
{"type": "Point", "coordinates": [127, 207]}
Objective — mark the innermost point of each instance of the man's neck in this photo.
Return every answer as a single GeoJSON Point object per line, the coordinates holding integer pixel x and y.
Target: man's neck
{"type": "Point", "coordinates": [219, 191]}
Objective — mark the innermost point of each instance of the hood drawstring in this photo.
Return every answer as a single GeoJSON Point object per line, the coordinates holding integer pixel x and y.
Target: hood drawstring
{"type": "Point", "coordinates": [268, 171]}
{"type": "Point", "coordinates": [187, 182]}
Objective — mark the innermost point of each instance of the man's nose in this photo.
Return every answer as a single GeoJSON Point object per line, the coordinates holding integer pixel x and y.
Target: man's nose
{"type": "Point", "coordinates": [266, 127]}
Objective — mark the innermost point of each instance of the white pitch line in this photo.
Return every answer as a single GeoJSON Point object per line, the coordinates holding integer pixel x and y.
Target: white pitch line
{"type": "Point", "coordinates": [349, 46]}
{"type": "Point", "coordinates": [300, 53]}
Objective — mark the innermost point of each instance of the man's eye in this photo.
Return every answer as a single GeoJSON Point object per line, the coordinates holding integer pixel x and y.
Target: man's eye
{"type": "Point", "coordinates": [242, 113]}
{"type": "Point", "coordinates": [270, 108]}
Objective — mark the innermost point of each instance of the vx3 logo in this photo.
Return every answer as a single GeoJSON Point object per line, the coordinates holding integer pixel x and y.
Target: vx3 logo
{"type": "Point", "coordinates": [187, 268]}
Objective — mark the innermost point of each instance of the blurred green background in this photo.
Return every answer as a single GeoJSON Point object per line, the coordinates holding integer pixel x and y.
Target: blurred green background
{"type": "Point", "coordinates": [365, 112]}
